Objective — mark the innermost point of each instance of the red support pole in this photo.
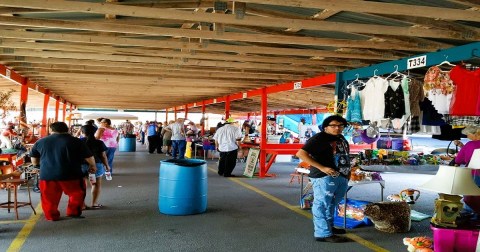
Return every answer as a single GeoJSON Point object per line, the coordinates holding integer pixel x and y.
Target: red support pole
{"type": "Point", "coordinates": [263, 135]}
{"type": "Point", "coordinates": [203, 118]}
{"type": "Point", "coordinates": [175, 113]}
{"type": "Point", "coordinates": [46, 99]}
{"type": "Point", "coordinates": [186, 111]}
{"type": "Point", "coordinates": [57, 108]}
{"type": "Point", "coordinates": [23, 105]}
{"type": "Point", "coordinates": [64, 110]}
{"type": "Point", "coordinates": [227, 107]}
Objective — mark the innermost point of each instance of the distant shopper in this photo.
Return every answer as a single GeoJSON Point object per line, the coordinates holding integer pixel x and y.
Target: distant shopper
{"type": "Point", "coordinates": [300, 125]}
{"type": "Point", "coordinates": [227, 140]}
{"type": "Point", "coordinates": [167, 138]}
{"type": "Point", "coordinates": [99, 150]}
{"type": "Point", "coordinates": [60, 157]}
{"type": "Point", "coordinates": [6, 136]}
{"type": "Point", "coordinates": [89, 122]}
{"type": "Point", "coordinates": [179, 142]}
{"type": "Point", "coordinates": [328, 155]}
{"type": "Point", "coordinates": [127, 129]}
{"type": "Point", "coordinates": [110, 136]}
{"type": "Point", "coordinates": [153, 138]}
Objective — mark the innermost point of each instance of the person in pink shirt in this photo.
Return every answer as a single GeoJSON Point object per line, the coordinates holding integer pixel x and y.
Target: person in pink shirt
{"type": "Point", "coordinates": [464, 156]}
{"type": "Point", "coordinates": [109, 135]}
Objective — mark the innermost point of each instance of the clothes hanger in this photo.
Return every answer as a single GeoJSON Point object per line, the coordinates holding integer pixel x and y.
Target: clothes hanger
{"type": "Point", "coordinates": [396, 73]}
{"type": "Point", "coordinates": [356, 83]}
{"type": "Point", "coordinates": [446, 62]}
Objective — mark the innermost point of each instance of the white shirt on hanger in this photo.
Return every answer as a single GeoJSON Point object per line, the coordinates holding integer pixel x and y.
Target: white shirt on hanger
{"type": "Point", "coordinates": [372, 98]}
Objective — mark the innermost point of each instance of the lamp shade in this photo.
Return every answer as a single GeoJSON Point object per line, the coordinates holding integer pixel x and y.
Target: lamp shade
{"type": "Point", "coordinates": [452, 180]}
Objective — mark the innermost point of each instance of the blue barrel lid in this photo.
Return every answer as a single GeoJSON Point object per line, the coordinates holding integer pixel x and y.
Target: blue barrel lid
{"type": "Point", "coordinates": [185, 162]}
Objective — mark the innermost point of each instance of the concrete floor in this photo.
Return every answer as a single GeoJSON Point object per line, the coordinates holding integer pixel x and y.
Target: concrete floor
{"type": "Point", "coordinates": [243, 214]}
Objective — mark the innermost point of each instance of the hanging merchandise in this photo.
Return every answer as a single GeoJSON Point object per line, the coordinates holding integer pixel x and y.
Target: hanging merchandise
{"type": "Point", "coordinates": [373, 100]}
{"type": "Point", "coordinates": [354, 108]}
{"type": "Point", "coordinates": [439, 87]}
{"type": "Point", "coordinates": [394, 100]}
{"type": "Point", "coordinates": [462, 120]}
{"type": "Point", "coordinates": [466, 101]}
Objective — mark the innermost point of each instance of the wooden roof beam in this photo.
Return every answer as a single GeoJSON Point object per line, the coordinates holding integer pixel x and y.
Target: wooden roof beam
{"type": "Point", "coordinates": [352, 5]}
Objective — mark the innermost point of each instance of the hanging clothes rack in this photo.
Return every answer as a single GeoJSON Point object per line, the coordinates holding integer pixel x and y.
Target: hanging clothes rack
{"type": "Point", "coordinates": [454, 54]}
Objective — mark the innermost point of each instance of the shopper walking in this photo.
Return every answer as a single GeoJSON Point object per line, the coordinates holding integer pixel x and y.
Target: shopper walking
{"type": "Point", "coordinates": [99, 150]}
{"type": "Point", "coordinates": [328, 155]}
{"type": "Point", "coordinates": [60, 157]}
{"type": "Point", "coordinates": [227, 141]}
{"type": "Point", "coordinates": [110, 136]}
{"type": "Point", "coordinates": [179, 142]}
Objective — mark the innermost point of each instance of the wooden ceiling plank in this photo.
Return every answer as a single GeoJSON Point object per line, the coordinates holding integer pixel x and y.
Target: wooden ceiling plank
{"type": "Point", "coordinates": [41, 36]}
{"type": "Point", "coordinates": [385, 8]}
{"type": "Point", "coordinates": [173, 54]}
{"type": "Point", "coordinates": [189, 62]}
{"type": "Point", "coordinates": [202, 34]}
{"type": "Point", "coordinates": [378, 8]}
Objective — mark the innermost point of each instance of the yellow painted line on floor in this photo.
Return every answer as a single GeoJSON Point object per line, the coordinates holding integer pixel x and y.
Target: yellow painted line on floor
{"type": "Point", "coordinates": [307, 214]}
{"type": "Point", "coordinates": [12, 221]}
{"type": "Point", "coordinates": [22, 236]}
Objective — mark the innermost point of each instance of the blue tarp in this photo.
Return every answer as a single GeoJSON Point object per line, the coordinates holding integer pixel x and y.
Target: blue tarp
{"type": "Point", "coordinates": [290, 122]}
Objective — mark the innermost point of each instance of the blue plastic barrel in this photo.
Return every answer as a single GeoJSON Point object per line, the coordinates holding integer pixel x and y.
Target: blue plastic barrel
{"type": "Point", "coordinates": [127, 144]}
{"type": "Point", "coordinates": [182, 186]}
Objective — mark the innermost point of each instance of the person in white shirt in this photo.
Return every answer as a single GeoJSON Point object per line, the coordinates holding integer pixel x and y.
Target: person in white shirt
{"type": "Point", "coordinates": [227, 140]}
{"type": "Point", "coordinates": [179, 142]}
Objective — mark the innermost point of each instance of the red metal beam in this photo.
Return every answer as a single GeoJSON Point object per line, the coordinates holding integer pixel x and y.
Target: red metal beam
{"type": "Point", "coordinates": [307, 83]}
{"type": "Point", "coordinates": [46, 99]}
{"type": "Point", "coordinates": [227, 107]}
{"type": "Point", "coordinates": [57, 108]}
{"type": "Point", "coordinates": [64, 110]}
{"type": "Point", "coordinates": [17, 78]}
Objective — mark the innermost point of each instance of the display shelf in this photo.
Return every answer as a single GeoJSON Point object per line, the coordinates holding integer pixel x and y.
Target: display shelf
{"type": "Point", "coordinates": [418, 169]}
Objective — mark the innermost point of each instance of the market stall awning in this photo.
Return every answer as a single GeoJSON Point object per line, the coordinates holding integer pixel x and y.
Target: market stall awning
{"type": "Point", "coordinates": [111, 116]}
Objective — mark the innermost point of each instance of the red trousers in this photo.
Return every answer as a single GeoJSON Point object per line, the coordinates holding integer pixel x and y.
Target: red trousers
{"type": "Point", "coordinates": [51, 192]}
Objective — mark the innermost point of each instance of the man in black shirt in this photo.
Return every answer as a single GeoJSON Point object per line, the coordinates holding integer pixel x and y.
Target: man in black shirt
{"type": "Point", "coordinates": [327, 154]}
{"type": "Point", "coordinates": [60, 156]}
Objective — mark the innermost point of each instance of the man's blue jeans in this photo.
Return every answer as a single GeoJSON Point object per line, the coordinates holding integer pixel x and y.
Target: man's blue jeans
{"type": "Point", "coordinates": [327, 193]}
{"type": "Point", "coordinates": [178, 148]}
